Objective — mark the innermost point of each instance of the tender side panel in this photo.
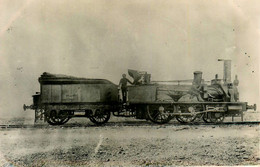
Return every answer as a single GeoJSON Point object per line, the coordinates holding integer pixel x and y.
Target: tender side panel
{"type": "Point", "coordinates": [88, 93]}
{"type": "Point", "coordinates": [46, 93]}
{"type": "Point", "coordinates": [75, 93]}
{"type": "Point", "coordinates": [79, 93]}
{"type": "Point", "coordinates": [56, 93]}
{"type": "Point", "coordinates": [66, 93]}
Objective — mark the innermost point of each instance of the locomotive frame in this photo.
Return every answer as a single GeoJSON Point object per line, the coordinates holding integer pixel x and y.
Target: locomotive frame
{"type": "Point", "coordinates": [64, 97]}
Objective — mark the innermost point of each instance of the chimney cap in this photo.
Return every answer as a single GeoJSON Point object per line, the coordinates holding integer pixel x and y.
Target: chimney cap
{"type": "Point", "coordinates": [197, 72]}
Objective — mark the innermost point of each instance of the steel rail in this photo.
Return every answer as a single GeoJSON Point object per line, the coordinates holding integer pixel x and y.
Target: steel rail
{"type": "Point", "coordinates": [123, 124]}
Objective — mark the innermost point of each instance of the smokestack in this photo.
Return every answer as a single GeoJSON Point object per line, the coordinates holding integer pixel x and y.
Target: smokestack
{"type": "Point", "coordinates": [227, 71]}
{"type": "Point", "coordinates": [197, 78]}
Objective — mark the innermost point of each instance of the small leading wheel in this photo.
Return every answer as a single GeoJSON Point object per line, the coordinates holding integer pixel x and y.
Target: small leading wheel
{"type": "Point", "coordinates": [191, 110]}
{"type": "Point", "coordinates": [58, 118]}
{"type": "Point", "coordinates": [159, 114]}
{"type": "Point", "coordinates": [100, 117]}
{"type": "Point", "coordinates": [216, 117]}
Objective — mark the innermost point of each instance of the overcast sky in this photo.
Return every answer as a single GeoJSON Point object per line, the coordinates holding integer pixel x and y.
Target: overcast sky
{"type": "Point", "coordinates": [102, 39]}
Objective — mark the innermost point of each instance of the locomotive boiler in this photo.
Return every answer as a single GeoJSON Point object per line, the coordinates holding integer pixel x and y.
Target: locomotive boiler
{"type": "Point", "coordinates": [64, 97]}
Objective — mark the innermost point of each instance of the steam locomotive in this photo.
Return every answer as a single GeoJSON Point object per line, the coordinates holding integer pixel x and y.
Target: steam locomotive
{"type": "Point", "coordinates": [63, 97]}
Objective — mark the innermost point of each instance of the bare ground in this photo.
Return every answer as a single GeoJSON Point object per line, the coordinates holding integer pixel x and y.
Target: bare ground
{"type": "Point", "coordinates": [130, 143]}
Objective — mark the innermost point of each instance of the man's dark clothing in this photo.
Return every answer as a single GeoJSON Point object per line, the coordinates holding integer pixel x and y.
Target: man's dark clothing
{"type": "Point", "coordinates": [123, 83]}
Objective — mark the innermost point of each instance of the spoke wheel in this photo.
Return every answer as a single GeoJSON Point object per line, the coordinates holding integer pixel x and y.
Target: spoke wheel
{"type": "Point", "coordinates": [100, 117]}
{"type": "Point", "coordinates": [159, 114]}
{"type": "Point", "coordinates": [191, 109]}
{"type": "Point", "coordinates": [50, 121]}
{"type": "Point", "coordinates": [217, 117]}
{"type": "Point", "coordinates": [56, 118]}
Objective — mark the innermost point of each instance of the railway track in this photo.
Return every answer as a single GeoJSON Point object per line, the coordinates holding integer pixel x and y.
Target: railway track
{"type": "Point", "coordinates": [122, 124]}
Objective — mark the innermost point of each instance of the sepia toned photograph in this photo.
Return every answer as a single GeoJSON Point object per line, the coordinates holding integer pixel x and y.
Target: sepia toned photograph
{"type": "Point", "coordinates": [129, 83]}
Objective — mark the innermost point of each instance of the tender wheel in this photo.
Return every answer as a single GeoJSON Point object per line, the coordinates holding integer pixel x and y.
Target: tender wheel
{"type": "Point", "coordinates": [159, 114]}
{"type": "Point", "coordinates": [206, 118]}
{"type": "Point", "coordinates": [187, 110]}
{"type": "Point", "coordinates": [216, 117]}
{"type": "Point", "coordinates": [56, 118]}
{"type": "Point", "coordinates": [100, 117]}
{"type": "Point", "coordinates": [50, 121]}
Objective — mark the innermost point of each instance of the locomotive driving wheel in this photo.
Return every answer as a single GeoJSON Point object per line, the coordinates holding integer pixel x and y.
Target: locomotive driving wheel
{"type": "Point", "coordinates": [206, 118]}
{"type": "Point", "coordinates": [187, 109]}
{"type": "Point", "coordinates": [58, 118]}
{"type": "Point", "coordinates": [100, 117]}
{"type": "Point", "coordinates": [216, 117]}
{"type": "Point", "coordinates": [159, 114]}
